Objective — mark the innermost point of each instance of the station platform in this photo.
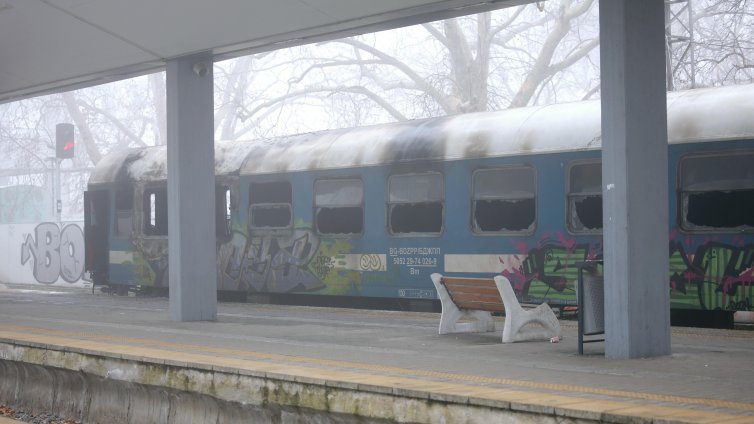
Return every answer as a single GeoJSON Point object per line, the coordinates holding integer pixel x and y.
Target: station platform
{"type": "Point", "coordinates": [289, 364]}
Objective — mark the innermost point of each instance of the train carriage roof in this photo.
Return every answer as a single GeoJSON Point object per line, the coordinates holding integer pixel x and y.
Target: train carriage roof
{"type": "Point", "coordinates": [699, 115]}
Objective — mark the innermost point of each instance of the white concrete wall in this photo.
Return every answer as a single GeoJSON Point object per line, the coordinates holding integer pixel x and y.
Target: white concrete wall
{"type": "Point", "coordinates": [45, 253]}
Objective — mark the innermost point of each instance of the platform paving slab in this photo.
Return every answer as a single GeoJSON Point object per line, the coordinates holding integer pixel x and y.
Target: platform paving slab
{"type": "Point", "coordinates": [387, 355]}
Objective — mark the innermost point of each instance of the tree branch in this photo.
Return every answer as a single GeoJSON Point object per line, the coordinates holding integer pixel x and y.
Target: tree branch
{"type": "Point", "coordinates": [434, 32]}
{"type": "Point", "coordinates": [542, 67]}
{"type": "Point", "coordinates": [332, 64]}
{"type": "Point", "coordinates": [86, 134]}
{"type": "Point", "coordinates": [377, 99]}
{"type": "Point", "coordinates": [118, 124]}
{"type": "Point", "coordinates": [575, 56]}
{"type": "Point", "coordinates": [438, 96]}
{"type": "Point", "coordinates": [313, 90]}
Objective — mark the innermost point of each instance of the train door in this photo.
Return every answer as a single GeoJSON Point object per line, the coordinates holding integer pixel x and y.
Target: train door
{"type": "Point", "coordinates": [96, 231]}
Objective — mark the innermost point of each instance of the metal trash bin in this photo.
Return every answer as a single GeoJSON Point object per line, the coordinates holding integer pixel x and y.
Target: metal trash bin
{"type": "Point", "coordinates": [591, 299]}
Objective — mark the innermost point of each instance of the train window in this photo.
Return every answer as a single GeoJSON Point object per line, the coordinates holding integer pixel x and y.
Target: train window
{"type": "Point", "coordinates": [124, 205]}
{"type": "Point", "coordinates": [222, 210]}
{"type": "Point", "coordinates": [717, 192]}
{"type": "Point", "coordinates": [415, 203]}
{"type": "Point", "coordinates": [504, 200]}
{"type": "Point", "coordinates": [339, 206]}
{"type": "Point", "coordinates": [156, 212]}
{"type": "Point", "coordinates": [270, 205]}
{"type": "Point", "coordinates": [584, 213]}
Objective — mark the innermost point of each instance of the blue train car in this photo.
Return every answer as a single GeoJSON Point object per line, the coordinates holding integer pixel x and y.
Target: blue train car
{"type": "Point", "coordinates": [363, 216]}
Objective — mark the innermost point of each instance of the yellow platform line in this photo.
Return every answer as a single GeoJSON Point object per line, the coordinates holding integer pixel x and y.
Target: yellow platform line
{"type": "Point", "coordinates": [178, 353]}
{"type": "Point", "coordinates": [571, 403]}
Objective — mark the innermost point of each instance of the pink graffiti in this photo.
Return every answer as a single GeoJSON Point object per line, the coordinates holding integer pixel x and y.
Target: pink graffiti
{"type": "Point", "coordinates": [747, 276]}
{"type": "Point", "coordinates": [516, 277]}
{"type": "Point", "coordinates": [714, 239]}
{"type": "Point", "coordinates": [568, 244]}
{"type": "Point", "coordinates": [544, 240]}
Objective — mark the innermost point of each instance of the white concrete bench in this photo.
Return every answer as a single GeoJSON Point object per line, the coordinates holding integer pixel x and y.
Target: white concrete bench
{"type": "Point", "coordinates": [477, 298]}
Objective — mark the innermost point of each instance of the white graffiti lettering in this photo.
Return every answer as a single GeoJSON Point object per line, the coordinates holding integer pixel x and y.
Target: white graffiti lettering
{"type": "Point", "coordinates": [56, 253]}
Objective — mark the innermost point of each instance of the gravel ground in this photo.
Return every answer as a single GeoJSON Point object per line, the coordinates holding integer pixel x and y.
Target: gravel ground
{"type": "Point", "coordinates": [34, 418]}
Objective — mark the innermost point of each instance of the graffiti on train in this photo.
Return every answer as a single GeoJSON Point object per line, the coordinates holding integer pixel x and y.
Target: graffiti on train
{"type": "Point", "coordinates": [546, 272]}
{"type": "Point", "coordinates": [269, 264]}
{"type": "Point", "coordinates": [300, 262]}
{"type": "Point", "coordinates": [703, 274]}
{"type": "Point", "coordinates": [720, 275]}
{"type": "Point", "coordinates": [55, 252]}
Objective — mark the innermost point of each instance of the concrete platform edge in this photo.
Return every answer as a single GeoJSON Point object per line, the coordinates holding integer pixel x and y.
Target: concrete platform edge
{"type": "Point", "coordinates": [128, 375]}
{"type": "Point", "coordinates": [87, 377]}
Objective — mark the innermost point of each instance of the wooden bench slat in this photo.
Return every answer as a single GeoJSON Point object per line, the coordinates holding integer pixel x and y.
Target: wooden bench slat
{"type": "Point", "coordinates": [474, 293]}
{"type": "Point", "coordinates": [490, 291]}
{"type": "Point", "coordinates": [485, 282]}
{"type": "Point", "coordinates": [477, 297]}
{"type": "Point", "coordinates": [462, 299]}
{"type": "Point", "coordinates": [479, 286]}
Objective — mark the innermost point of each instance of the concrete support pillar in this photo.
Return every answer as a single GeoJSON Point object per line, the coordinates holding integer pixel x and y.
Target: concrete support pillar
{"type": "Point", "coordinates": [191, 189]}
{"type": "Point", "coordinates": [635, 178]}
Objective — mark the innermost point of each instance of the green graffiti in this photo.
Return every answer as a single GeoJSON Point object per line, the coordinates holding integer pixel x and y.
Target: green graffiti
{"type": "Point", "coordinates": [141, 271]}
{"type": "Point", "coordinates": [678, 264]}
{"type": "Point", "coordinates": [327, 268]}
{"type": "Point", "coordinates": [541, 292]}
{"type": "Point", "coordinates": [719, 277]}
{"type": "Point", "coordinates": [561, 263]}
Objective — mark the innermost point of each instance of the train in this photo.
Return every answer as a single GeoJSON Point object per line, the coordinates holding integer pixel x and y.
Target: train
{"type": "Point", "coordinates": [361, 217]}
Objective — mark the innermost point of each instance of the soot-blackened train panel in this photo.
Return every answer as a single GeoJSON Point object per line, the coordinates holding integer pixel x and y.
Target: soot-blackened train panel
{"type": "Point", "coordinates": [425, 142]}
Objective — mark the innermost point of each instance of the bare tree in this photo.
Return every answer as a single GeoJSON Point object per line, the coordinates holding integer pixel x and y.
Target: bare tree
{"type": "Point", "coordinates": [475, 63]}
{"type": "Point", "coordinates": [725, 42]}
{"type": "Point", "coordinates": [107, 118]}
{"type": "Point", "coordinates": [157, 90]}
{"type": "Point", "coordinates": [710, 42]}
{"type": "Point", "coordinates": [535, 54]}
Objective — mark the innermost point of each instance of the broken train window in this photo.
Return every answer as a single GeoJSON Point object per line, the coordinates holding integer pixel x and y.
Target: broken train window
{"type": "Point", "coordinates": [339, 206]}
{"type": "Point", "coordinates": [504, 200]}
{"type": "Point", "coordinates": [717, 192]}
{"type": "Point", "coordinates": [222, 211]}
{"type": "Point", "coordinates": [156, 211]}
{"type": "Point", "coordinates": [415, 204]}
{"type": "Point", "coordinates": [584, 214]}
{"type": "Point", "coordinates": [270, 205]}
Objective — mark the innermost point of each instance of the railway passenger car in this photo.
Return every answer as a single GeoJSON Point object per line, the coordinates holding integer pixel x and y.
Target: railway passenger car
{"type": "Point", "coordinates": [363, 216]}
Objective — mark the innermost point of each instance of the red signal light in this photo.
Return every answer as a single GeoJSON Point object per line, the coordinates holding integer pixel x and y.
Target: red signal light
{"type": "Point", "coordinates": [64, 141]}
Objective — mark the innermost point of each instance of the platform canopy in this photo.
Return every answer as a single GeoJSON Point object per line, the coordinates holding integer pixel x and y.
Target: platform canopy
{"type": "Point", "coordinates": [56, 45]}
